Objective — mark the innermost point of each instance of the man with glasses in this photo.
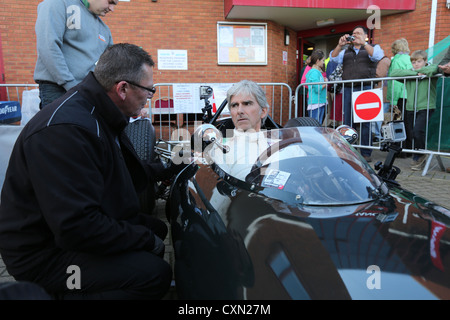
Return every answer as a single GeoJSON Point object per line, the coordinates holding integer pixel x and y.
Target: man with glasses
{"type": "Point", "coordinates": [69, 207]}
{"type": "Point", "coordinates": [70, 37]}
{"type": "Point", "coordinates": [151, 90]}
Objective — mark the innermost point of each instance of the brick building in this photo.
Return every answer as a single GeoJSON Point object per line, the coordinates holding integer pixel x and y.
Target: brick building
{"type": "Point", "coordinates": [191, 26]}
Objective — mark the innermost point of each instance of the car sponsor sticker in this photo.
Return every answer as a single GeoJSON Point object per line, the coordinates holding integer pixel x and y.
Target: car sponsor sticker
{"type": "Point", "coordinates": [276, 179]}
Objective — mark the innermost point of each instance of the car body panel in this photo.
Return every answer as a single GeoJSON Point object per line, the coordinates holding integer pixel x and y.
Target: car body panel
{"type": "Point", "coordinates": [232, 240]}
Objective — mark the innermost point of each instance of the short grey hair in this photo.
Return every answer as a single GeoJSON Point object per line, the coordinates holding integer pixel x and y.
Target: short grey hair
{"type": "Point", "coordinates": [250, 88]}
{"type": "Point", "coordinates": [122, 61]}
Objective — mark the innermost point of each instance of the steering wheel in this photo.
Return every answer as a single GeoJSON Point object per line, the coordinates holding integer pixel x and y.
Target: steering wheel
{"type": "Point", "coordinates": [255, 170]}
{"type": "Point", "coordinates": [324, 185]}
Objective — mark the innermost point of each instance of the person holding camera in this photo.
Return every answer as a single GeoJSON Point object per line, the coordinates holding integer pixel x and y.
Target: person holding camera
{"type": "Point", "coordinates": [359, 59]}
{"type": "Point", "coordinates": [70, 195]}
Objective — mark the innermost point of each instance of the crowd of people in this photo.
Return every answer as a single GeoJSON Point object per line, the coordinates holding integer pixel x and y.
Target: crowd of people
{"type": "Point", "coordinates": [412, 100]}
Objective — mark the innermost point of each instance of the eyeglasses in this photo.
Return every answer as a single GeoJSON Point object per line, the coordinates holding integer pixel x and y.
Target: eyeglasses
{"type": "Point", "coordinates": [152, 90]}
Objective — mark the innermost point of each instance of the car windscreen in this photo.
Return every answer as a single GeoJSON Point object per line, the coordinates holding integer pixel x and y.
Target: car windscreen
{"type": "Point", "coordinates": [312, 166]}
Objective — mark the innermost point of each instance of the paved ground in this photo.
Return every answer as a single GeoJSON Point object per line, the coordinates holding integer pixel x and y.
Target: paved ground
{"type": "Point", "coordinates": [434, 185]}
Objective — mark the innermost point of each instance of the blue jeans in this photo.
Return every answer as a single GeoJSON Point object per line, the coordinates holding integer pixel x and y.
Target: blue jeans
{"type": "Point", "coordinates": [365, 132]}
{"type": "Point", "coordinates": [48, 92]}
{"type": "Point", "coordinates": [317, 114]}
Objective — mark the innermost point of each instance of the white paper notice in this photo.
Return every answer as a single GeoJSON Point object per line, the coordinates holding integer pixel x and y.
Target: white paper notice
{"type": "Point", "coordinates": [172, 60]}
{"type": "Point", "coordinates": [184, 97]}
{"type": "Point", "coordinates": [187, 97]}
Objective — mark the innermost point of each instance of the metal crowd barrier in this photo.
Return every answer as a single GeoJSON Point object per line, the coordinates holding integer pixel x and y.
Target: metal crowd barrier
{"type": "Point", "coordinates": [284, 105]}
{"type": "Point", "coordinates": [25, 94]}
{"type": "Point", "coordinates": [14, 92]}
{"type": "Point", "coordinates": [175, 127]}
{"type": "Point", "coordinates": [437, 150]}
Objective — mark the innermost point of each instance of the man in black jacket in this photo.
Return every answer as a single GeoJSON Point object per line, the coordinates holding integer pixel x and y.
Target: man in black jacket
{"type": "Point", "coordinates": [69, 211]}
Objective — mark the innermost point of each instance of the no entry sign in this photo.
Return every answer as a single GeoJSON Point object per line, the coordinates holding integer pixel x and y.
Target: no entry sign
{"type": "Point", "coordinates": [367, 105]}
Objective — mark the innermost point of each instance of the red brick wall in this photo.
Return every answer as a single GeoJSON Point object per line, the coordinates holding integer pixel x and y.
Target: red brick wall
{"type": "Point", "coordinates": [17, 18]}
{"type": "Point", "coordinates": [191, 26]}
{"type": "Point", "coordinates": [168, 24]}
{"type": "Point", "coordinates": [414, 27]}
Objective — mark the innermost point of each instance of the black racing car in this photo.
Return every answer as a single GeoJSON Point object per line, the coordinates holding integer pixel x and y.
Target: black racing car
{"type": "Point", "coordinates": [319, 223]}
{"type": "Point", "coordinates": [310, 220]}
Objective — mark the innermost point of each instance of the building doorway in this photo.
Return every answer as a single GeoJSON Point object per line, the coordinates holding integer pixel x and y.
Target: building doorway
{"type": "Point", "coordinates": [325, 38]}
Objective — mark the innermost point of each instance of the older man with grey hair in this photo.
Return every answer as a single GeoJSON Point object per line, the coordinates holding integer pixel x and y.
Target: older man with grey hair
{"type": "Point", "coordinates": [248, 105]}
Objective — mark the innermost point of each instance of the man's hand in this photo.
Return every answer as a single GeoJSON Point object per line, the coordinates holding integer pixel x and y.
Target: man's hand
{"type": "Point", "coordinates": [445, 68]}
{"type": "Point", "coordinates": [343, 40]}
{"type": "Point", "coordinates": [159, 246]}
{"type": "Point", "coordinates": [180, 159]}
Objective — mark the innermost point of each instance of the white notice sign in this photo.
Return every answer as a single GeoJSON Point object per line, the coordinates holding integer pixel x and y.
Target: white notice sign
{"type": "Point", "coordinates": [186, 97]}
{"type": "Point", "coordinates": [172, 60]}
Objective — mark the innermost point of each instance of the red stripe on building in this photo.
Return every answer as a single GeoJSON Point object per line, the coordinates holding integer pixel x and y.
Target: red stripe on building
{"type": "Point", "coordinates": [323, 4]}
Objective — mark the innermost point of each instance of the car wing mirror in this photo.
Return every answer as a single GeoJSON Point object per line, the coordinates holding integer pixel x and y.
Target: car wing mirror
{"type": "Point", "coordinates": [204, 135]}
{"type": "Point", "coordinates": [349, 134]}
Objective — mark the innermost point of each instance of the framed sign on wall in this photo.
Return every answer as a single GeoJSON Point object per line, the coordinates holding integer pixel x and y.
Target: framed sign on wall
{"type": "Point", "coordinates": [240, 43]}
{"type": "Point", "coordinates": [172, 59]}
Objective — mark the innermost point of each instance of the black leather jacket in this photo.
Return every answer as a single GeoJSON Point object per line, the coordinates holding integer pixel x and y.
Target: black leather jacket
{"type": "Point", "coordinates": [72, 183]}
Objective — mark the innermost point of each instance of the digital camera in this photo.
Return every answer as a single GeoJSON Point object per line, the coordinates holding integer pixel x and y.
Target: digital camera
{"type": "Point", "coordinates": [205, 92]}
{"type": "Point", "coordinates": [393, 131]}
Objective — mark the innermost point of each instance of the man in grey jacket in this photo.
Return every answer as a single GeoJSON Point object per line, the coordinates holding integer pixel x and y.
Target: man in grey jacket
{"type": "Point", "coordinates": [70, 38]}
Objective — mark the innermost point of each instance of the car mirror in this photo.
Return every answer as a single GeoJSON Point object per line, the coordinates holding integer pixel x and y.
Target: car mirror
{"type": "Point", "coordinates": [203, 136]}
{"type": "Point", "coordinates": [349, 134]}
